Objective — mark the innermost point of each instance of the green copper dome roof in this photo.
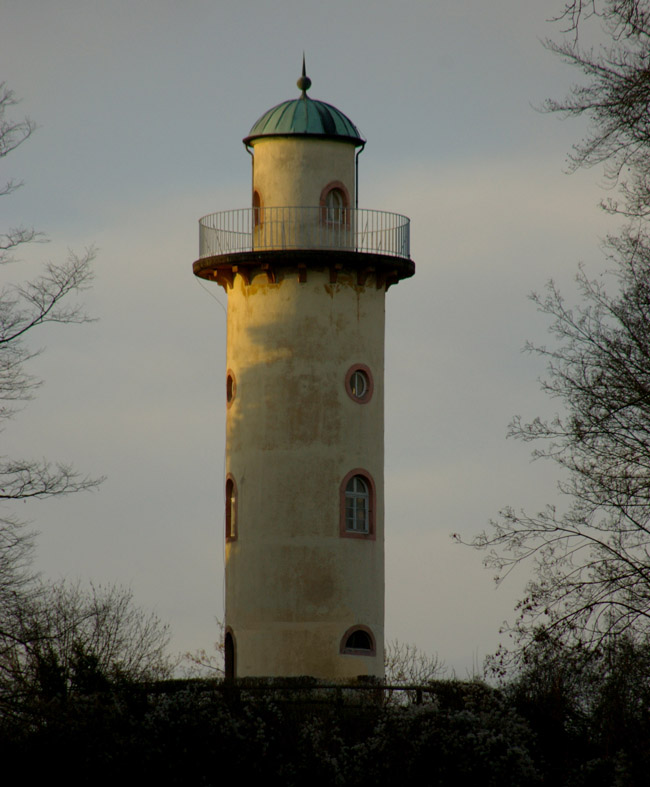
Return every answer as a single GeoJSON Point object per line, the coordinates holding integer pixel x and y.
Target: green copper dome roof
{"type": "Point", "coordinates": [305, 117]}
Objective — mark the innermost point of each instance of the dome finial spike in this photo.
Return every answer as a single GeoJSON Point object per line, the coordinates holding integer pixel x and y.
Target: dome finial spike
{"type": "Point", "coordinates": [304, 82]}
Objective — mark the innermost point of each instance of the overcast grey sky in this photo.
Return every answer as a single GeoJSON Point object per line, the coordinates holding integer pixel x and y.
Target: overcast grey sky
{"type": "Point", "coordinates": [141, 107]}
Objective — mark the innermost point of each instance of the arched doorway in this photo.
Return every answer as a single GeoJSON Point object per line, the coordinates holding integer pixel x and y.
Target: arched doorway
{"type": "Point", "coordinates": [229, 655]}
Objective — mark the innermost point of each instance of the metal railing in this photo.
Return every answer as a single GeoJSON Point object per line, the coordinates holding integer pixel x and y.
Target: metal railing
{"type": "Point", "coordinates": [269, 229]}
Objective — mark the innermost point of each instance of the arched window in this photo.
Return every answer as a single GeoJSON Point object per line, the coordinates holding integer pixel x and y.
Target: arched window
{"type": "Point", "coordinates": [358, 641]}
{"type": "Point", "coordinates": [357, 505]}
{"type": "Point", "coordinates": [334, 202]}
{"type": "Point", "coordinates": [231, 387]}
{"type": "Point", "coordinates": [257, 208]}
{"type": "Point", "coordinates": [231, 509]}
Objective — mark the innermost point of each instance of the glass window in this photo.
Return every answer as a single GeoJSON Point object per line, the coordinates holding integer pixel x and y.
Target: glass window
{"type": "Point", "coordinates": [257, 208]}
{"type": "Point", "coordinates": [358, 641]}
{"type": "Point", "coordinates": [335, 204]}
{"type": "Point", "coordinates": [359, 384]}
{"type": "Point", "coordinates": [231, 510]}
{"type": "Point", "coordinates": [357, 505]}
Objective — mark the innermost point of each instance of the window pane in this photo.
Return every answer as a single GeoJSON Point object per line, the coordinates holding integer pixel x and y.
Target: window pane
{"type": "Point", "coordinates": [335, 203]}
{"type": "Point", "coordinates": [359, 640]}
{"type": "Point", "coordinates": [359, 384]}
{"type": "Point", "coordinates": [231, 509]}
{"type": "Point", "coordinates": [357, 505]}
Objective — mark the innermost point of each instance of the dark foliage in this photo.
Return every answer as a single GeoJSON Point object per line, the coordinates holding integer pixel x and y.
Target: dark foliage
{"type": "Point", "coordinates": [61, 642]}
{"type": "Point", "coordinates": [199, 733]}
{"type": "Point", "coordinates": [572, 718]}
{"type": "Point", "coordinates": [590, 710]}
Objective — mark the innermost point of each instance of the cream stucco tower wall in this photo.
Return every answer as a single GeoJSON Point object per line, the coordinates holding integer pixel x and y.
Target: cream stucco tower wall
{"type": "Point", "coordinates": [305, 415]}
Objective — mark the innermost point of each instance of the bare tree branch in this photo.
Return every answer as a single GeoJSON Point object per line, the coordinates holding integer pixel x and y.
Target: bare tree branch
{"type": "Point", "coordinates": [23, 480]}
{"type": "Point", "coordinates": [65, 639]}
{"type": "Point", "coordinates": [615, 98]}
{"type": "Point", "coordinates": [31, 617]}
{"type": "Point", "coordinates": [622, 17]}
{"type": "Point", "coordinates": [592, 562]}
{"type": "Point", "coordinates": [12, 132]}
{"type": "Point", "coordinates": [15, 237]}
{"type": "Point", "coordinates": [27, 306]}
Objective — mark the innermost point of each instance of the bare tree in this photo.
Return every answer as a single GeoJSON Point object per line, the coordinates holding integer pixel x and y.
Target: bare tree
{"type": "Point", "coordinates": [203, 664]}
{"type": "Point", "coordinates": [621, 17]}
{"type": "Point", "coordinates": [55, 639]}
{"type": "Point", "coordinates": [68, 640]}
{"type": "Point", "coordinates": [407, 664]}
{"type": "Point", "coordinates": [24, 307]}
{"type": "Point", "coordinates": [592, 559]}
{"type": "Point", "coordinates": [615, 98]}
{"type": "Point", "coordinates": [408, 668]}
{"type": "Point", "coordinates": [12, 132]}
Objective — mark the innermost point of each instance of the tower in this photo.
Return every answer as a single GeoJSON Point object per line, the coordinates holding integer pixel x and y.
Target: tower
{"type": "Point", "coordinates": [306, 272]}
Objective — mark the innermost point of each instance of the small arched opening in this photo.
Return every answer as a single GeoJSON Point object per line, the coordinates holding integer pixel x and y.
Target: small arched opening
{"type": "Point", "coordinates": [257, 208]}
{"type": "Point", "coordinates": [229, 656]}
{"type": "Point", "coordinates": [358, 641]}
{"type": "Point", "coordinates": [335, 204]}
{"type": "Point", "coordinates": [231, 509]}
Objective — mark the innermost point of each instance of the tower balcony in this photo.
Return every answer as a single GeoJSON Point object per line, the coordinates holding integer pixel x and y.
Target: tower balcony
{"type": "Point", "coordinates": [266, 238]}
{"type": "Point", "coordinates": [273, 229]}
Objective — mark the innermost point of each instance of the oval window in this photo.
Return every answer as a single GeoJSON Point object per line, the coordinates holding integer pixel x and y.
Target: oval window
{"type": "Point", "coordinates": [359, 384]}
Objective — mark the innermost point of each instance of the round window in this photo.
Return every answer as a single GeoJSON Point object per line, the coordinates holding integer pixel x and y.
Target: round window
{"type": "Point", "coordinates": [359, 383]}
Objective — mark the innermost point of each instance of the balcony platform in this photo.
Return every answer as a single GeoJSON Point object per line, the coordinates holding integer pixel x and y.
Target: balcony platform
{"type": "Point", "coordinates": [281, 240]}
